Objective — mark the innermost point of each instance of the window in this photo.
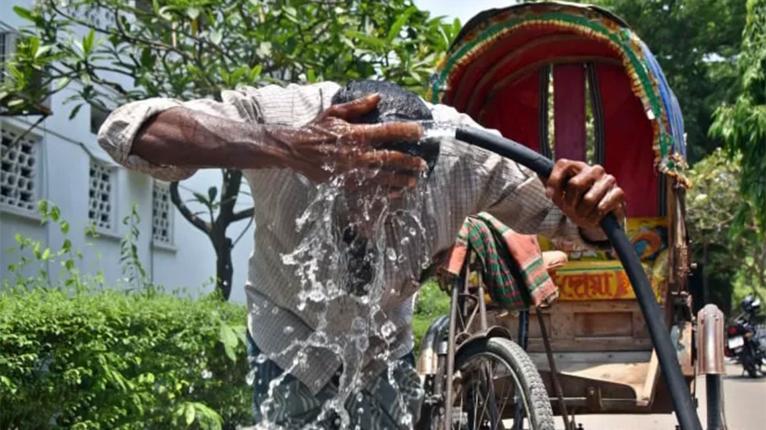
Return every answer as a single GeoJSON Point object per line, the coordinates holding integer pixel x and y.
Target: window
{"type": "Point", "coordinates": [100, 202]}
{"type": "Point", "coordinates": [18, 175]}
{"type": "Point", "coordinates": [162, 214]}
{"type": "Point", "coordinates": [7, 47]}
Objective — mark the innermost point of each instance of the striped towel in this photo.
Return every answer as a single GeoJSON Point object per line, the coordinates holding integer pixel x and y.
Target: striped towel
{"type": "Point", "coordinates": [512, 267]}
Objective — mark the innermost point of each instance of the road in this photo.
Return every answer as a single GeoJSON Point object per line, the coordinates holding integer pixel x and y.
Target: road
{"type": "Point", "coordinates": [745, 406]}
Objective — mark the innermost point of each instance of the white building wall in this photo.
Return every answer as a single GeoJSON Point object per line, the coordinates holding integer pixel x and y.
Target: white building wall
{"type": "Point", "coordinates": [65, 151]}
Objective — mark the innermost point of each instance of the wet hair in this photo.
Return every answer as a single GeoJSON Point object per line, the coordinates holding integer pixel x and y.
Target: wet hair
{"type": "Point", "coordinates": [396, 104]}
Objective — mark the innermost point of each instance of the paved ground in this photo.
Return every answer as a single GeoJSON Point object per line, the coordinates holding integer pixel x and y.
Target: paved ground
{"type": "Point", "coordinates": [745, 406]}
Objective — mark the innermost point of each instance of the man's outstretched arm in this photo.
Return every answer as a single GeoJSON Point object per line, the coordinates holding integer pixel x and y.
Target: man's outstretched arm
{"type": "Point", "coordinates": [185, 138]}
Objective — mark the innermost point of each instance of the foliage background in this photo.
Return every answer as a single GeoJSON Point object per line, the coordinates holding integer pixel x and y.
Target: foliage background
{"type": "Point", "coordinates": [106, 359]}
{"type": "Point", "coordinates": [76, 354]}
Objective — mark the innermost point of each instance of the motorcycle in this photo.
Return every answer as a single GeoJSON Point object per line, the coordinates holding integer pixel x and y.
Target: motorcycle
{"type": "Point", "coordinates": [745, 342]}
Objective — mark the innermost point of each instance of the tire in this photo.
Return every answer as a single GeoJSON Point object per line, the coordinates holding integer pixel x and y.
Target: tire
{"type": "Point", "coordinates": [748, 364]}
{"type": "Point", "coordinates": [485, 360]}
{"type": "Point", "coordinates": [751, 371]}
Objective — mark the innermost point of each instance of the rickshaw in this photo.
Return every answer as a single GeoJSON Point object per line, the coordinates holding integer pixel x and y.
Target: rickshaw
{"type": "Point", "coordinates": [573, 81]}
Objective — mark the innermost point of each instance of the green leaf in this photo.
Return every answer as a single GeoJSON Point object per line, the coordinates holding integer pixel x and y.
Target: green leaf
{"type": "Point", "coordinates": [189, 414]}
{"type": "Point", "coordinates": [165, 13]}
{"type": "Point", "coordinates": [193, 12]}
{"type": "Point", "coordinates": [16, 102]}
{"type": "Point", "coordinates": [216, 36]}
{"type": "Point", "coordinates": [200, 198]}
{"type": "Point", "coordinates": [255, 72]}
{"type": "Point", "coordinates": [399, 23]}
{"type": "Point", "coordinates": [147, 58]}
{"type": "Point", "coordinates": [75, 111]}
{"type": "Point", "coordinates": [24, 13]}
{"type": "Point", "coordinates": [43, 50]}
{"type": "Point", "coordinates": [88, 42]}
{"type": "Point", "coordinates": [264, 49]}
{"type": "Point", "coordinates": [55, 213]}
{"type": "Point", "coordinates": [228, 338]}
{"type": "Point", "coordinates": [61, 83]}
{"type": "Point", "coordinates": [371, 41]}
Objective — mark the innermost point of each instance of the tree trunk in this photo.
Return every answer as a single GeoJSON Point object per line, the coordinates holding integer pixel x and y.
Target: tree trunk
{"type": "Point", "coordinates": [223, 267]}
{"type": "Point", "coordinates": [215, 230]}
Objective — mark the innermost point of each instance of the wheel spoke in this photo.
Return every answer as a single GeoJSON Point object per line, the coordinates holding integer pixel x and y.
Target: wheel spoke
{"type": "Point", "coordinates": [489, 386]}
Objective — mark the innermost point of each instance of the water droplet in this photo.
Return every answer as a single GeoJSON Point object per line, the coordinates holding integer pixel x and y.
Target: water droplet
{"type": "Point", "coordinates": [274, 310]}
{"type": "Point", "coordinates": [362, 344]}
{"type": "Point", "coordinates": [316, 295]}
{"type": "Point", "coordinates": [261, 358]}
{"type": "Point", "coordinates": [358, 325]}
{"type": "Point", "coordinates": [288, 329]}
{"type": "Point", "coordinates": [387, 329]}
{"type": "Point", "coordinates": [391, 254]}
{"type": "Point", "coordinates": [359, 397]}
{"type": "Point", "coordinates": [405, 241]}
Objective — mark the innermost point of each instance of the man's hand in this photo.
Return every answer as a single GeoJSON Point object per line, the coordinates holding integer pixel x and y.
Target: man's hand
{"type": "Point", "coordinates": [331, 145]}
{"type": "Point", "coordinates": [584, 193]}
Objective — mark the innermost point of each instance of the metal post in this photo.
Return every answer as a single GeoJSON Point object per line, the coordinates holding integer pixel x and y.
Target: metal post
{"type": "Point", "coordinates": [713, 390]}
{"type": "Point", "coordinates": [710, 340]}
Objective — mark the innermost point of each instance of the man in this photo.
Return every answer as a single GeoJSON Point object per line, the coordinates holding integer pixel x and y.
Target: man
{"type": "Point", "coordinates": [318, 362]}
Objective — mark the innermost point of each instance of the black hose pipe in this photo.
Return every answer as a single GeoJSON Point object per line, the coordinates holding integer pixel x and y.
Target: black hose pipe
{"type": "Point", "coordinates": [666, 354]}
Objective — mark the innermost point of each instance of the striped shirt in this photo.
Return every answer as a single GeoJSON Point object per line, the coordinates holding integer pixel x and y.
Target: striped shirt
{"type": "Point", "coordinates": [464, 181]}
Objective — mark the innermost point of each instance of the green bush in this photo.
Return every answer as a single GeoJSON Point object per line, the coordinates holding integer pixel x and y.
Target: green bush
{"type": "Point", "coordinates": [432, 302]}
{"type": "Point", "coordinates": [115, 360]}
{"type": "Point", "coordinates": [76, 355]}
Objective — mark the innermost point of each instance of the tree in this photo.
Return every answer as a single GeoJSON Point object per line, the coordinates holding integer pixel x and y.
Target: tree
{"type": "Point", "coordinates": [742, 125]}
{"type": "Point", "coordinates": [196, 48]}
{"type": "Point", "coordinates": [696, 43]}
{"type": "Point", "coordinates": [723, 230]}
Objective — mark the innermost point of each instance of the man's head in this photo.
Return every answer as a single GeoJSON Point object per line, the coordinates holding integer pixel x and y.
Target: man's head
{"type": "Point", "coordinates": [396, 104]}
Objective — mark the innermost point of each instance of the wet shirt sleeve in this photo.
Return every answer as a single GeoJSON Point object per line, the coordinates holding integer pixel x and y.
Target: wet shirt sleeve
{"type": "Point", "coordinates": [507, 190]}
{"type": "Point", "coordinates": [291, 105]}
{"type": "Point", "coordinates": [119, 131]}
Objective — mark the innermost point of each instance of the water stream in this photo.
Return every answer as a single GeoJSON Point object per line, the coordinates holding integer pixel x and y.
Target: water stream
{"type": "Point", "coordinates": [354, 245]}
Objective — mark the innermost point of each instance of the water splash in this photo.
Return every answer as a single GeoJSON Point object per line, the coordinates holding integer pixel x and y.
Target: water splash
{"type": "Point", "coordinates": [388, 235]}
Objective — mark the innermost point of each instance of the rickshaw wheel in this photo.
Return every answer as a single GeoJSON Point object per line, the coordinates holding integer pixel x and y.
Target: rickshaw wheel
{"type": "Point", "coordinates": [492, 376]}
